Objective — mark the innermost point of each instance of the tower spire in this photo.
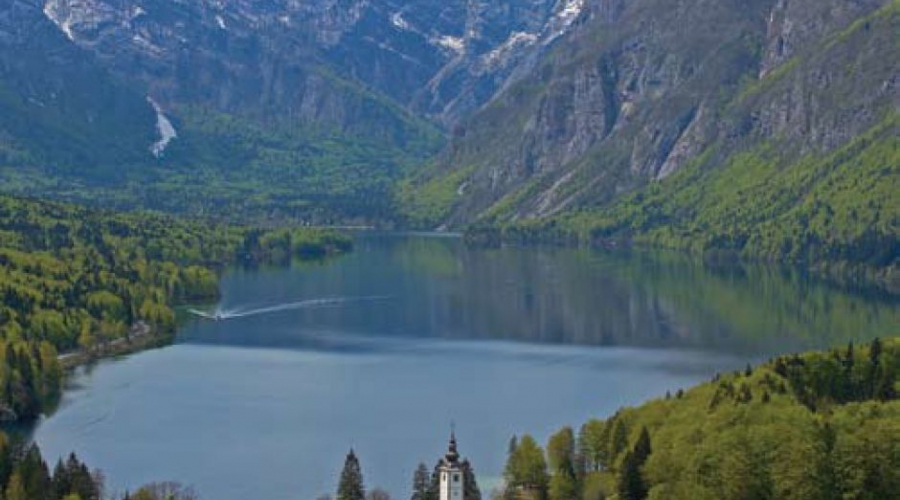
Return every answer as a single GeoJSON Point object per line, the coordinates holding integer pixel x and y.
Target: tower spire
{"type": "Point", "coordinates": [452, 454]}
{"type": "Point", "coordinates": [452, 477]}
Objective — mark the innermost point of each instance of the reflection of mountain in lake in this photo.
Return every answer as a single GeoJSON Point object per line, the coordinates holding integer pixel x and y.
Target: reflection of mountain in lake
{"type": "Point", "coordinates": [439, 288]}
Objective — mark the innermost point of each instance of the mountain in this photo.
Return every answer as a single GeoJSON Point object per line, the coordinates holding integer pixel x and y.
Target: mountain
{"type": "Point", "coordinates": [317, 109]}
{"type": "Point", "coordinates": [275, 108]}
{"type": "Point", "coordinates": [439, 58]}
{"type": "Point", "coordinates": [58, 105]}
{"type": "Point", "coordinates": [179, 128]}
{"type": "Point", "coordinates": [645, 87]}
{"type": "Point", "coordinates": [765, 126]}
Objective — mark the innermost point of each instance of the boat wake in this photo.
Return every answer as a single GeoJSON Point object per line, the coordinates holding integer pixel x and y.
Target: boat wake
{"type": "Point", "coordinates": [224, 314]}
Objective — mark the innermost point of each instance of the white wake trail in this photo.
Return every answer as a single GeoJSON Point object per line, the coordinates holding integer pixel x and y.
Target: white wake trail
{"type": "Point", "coordinates": [223, 314]}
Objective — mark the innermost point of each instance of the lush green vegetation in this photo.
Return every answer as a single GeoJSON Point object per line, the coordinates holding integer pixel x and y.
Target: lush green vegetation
{"type": "Point", "coordinates": [424, 203]}
{"type": "Point", "coordinates": [352, 486]}
{"type": "Point", "coordinates": [24, 475]}
{"type": "Point", "coordinates": [838, 214]}
{"type": "Point", "coordinates": [75, 278]}
{"type": "Point", "coordinates": [222, 164]}
{"type": "Point", "coordinates": [71, 130]}
{"type": "Point", "coordinates": [822, 425]}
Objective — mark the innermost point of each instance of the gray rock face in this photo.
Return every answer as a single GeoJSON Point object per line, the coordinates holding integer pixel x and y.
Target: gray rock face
{"type": "Point", "coordinates": [440, 58]}
{"type": "Point", "coordinates": [793, 25]}
{"type": "Point", "coordinates": [642, 88]}
{"type": "Point", "coordinates": [551, 104]}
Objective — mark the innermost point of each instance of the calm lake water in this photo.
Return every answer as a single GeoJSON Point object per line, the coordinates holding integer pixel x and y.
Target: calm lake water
{"type": "Point", "coordinates": [382, 349]}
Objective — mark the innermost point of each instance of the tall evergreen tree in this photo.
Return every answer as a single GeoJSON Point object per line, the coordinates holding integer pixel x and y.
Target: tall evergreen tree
{"type": "Point", "coordinates": [351, 484]}
{"type": "Point", "coordinates": [642, 447]}
{"type": "Point", "coordinates": [434, 486]}
{"type": "Point", "coordinates": [35, 474]}
{"type": "Point", "coordinates": [513, 444]}
{"type": "Point", "coordinates": [470, 485]}
{"type": "Point", "coordinates": [421, 483]}
{"type": "Point", "coordinates": [630, 485]}
{"type": "Point", "coordinates": [62, 483]}
{"type": "Point", "coordinates": [618, 440]}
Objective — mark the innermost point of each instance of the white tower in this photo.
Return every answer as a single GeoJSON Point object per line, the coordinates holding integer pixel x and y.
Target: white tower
{"type": "Point", "coordinates": [452, 477]}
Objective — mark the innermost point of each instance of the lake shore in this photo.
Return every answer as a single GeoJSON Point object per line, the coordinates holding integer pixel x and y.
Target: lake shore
{"type": "Point", "coordinates": [140, 338]}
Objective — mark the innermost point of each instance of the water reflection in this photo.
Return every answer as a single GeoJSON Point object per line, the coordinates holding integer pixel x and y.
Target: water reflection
{"type": "Point", "coordinates": [436, 287]}
{"type": "Point", "coordinates": [265, 405]}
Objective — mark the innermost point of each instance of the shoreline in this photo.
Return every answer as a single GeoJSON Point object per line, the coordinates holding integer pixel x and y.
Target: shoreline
{"type": "Point", "coordinates": [140, 338]}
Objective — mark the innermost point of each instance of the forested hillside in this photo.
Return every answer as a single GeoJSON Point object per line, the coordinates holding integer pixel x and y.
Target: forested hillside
{"type": "Point", "coordinates": [281, 110]}
{"type": "Point", "coordinates": [762, 128]}
{"type": "Point", "coordinates": [72, 278]}
{"type": "Point", "coordinates": [822, 425]}
{"type": "Point", "coordinates": [208, 123]}
{"type": "Point", "coordinates": [643, 89]}
{"type": "Point", "coordinates": [837, 214]}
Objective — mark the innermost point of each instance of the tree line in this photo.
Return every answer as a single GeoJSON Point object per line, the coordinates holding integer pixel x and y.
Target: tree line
{"type": "Point", "coordinates": [76, 278]}
{"type": "Point", "coordinates": [816, 426]}
{"type": "Point", "coordinates": [25, 475]}
{"type": "Point", "coordinates": [425, 483]}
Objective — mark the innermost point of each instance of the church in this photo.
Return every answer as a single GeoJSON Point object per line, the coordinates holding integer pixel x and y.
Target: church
{"type": "Point", "coordinates": [457, 479]}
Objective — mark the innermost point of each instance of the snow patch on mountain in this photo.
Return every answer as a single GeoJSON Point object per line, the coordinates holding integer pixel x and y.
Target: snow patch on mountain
{"type": "Point", "coordinates": [64, 23]}
{"type": "Point", "coordinates": [147, 45]}
{"type": "Point", "coordinates": [221, 22]}
{"type": "Point", "coordinates": [398, 21]}
{"type": "Point", "coordinates": [454, 43]}
{"type": "Point", "coordinates": [516, 39]}
{"type": "Point", "coordinates": [164, 128]}
{"type": "Point", "coordinates": [561, 21]}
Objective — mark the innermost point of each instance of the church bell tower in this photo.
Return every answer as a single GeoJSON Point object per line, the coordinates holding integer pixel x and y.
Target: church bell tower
{"type": "Point", "coordinates": [452, 477]}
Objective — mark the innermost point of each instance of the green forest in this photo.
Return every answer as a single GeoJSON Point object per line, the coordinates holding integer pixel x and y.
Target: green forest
{"type": "Point", "coordinates": [74, 278]}
{"type": "Point", "coordinates": [837, 215]}
{"type": "Point", "coordinates": [818, 426]}
{"type": "Point", "coordinates": [25, 475]}
{"type": "Point", "coordinates": [812, 426]}
{"type": "Point", "coordinates": [821, 425]}
{"type": "Point", "coordinates": [222, 164]}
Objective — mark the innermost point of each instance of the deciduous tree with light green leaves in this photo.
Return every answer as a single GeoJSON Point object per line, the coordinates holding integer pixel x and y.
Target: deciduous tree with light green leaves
{"type": "Point", "coordinates": [526, 470]}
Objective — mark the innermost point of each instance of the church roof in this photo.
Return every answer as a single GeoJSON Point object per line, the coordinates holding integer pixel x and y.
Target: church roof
{"type": "Point", "coordinates": [452, 456]}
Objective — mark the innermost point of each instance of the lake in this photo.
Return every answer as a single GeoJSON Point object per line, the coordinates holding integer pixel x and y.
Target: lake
{"type": "Point", "coordinates": [382, 349]}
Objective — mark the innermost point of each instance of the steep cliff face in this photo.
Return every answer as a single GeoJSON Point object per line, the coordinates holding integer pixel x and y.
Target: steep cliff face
{"type": "Point", "coordinates": [643, 88]}
{"type": "Point", "coordinates": [440, 58]}
{"type": "Point", "coordinates": [313, 102]}
{"type": "Point", "coordinates": [244, 57]}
